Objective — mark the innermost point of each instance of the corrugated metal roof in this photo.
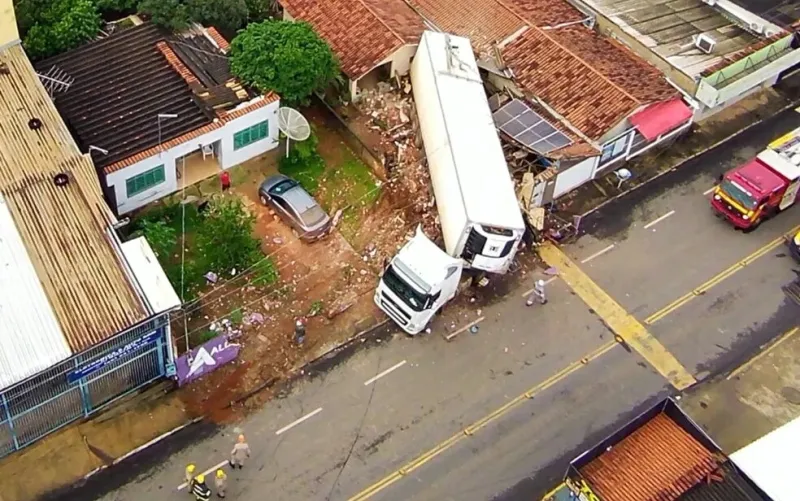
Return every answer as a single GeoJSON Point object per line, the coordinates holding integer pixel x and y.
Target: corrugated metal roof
{"type": "Point", "coordinates": [24, 309]}
{"type": "Point", "coordinates": [66, 229]}
{"type": "Point", "coordinates": [657, 462]}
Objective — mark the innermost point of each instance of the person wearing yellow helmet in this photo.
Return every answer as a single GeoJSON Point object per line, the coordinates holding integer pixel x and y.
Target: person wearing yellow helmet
{"type": "Point", "coordinates": [199, 488]}
{"type": "Point", "coordinates": [189, 474]}
{"type": "Point", "coordinates": [221, 483]}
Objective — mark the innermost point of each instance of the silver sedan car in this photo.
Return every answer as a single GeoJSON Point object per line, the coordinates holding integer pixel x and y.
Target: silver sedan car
{"type": "Point", "coordinates": [295, 206]}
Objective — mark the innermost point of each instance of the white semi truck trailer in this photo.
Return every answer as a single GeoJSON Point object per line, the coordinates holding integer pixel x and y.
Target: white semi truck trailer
{"type": "Point", "coordinates": [478, 210]}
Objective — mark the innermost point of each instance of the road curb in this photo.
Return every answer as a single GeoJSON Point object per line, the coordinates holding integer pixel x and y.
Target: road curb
{"type": "Point", "coordinates": [688, 159]}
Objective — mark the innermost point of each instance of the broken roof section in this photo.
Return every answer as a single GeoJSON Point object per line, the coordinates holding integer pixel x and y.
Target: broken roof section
{"type": "Point", "coordinates": [362, 33]}
{"type": "Point", "coordinates": [586, 81]}
{"type": "Point", "coordinates": [120, 84]}
{"type": "Point", "coordinates": [60, 259]}
{"type": "Point", "coordinates": [660, 456]}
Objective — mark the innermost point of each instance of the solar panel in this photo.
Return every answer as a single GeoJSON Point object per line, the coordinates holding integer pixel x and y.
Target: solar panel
{"type": "Point", "coordinates": [520, 122]}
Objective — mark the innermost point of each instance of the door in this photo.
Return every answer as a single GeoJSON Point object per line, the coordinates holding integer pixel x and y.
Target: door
{"type": "Point", "coordinates": [790, 195]}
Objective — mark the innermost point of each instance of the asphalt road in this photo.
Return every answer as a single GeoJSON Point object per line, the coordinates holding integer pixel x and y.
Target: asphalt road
{"type": "Point", "coordinates": [341, 431]}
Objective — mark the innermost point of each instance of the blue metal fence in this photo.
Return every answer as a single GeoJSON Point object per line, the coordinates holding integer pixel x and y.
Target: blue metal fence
{"type": "Point", "coordinates": [82, 385]}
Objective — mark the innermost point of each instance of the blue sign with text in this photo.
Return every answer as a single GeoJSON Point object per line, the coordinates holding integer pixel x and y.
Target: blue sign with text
{"type": "Point", "coordinates": [97, 364]}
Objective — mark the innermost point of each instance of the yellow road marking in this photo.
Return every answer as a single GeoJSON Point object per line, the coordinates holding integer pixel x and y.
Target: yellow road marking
{"type": "Point", "coordinates": [786, 335]}
{"type": "Point", "coordinates": [716, 279]}
{"type": "Point", "coordinates": [552, 493]}
{"type": "Point", "coordinates": [480, 424]}
{"type": "Point", "coordinates": [618, 320]}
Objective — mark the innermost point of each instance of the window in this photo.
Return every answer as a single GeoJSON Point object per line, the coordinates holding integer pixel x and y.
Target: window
{"type": "Point", "coordinates": [250, 135]}
{"type": "Point", "coordinates": [144, 181]}
{"type": "Point", "coordinates": [616, 148]}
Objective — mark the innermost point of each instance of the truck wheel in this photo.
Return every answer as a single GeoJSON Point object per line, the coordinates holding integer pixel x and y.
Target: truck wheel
{"type": "Point", "coordinates": [753, 228]}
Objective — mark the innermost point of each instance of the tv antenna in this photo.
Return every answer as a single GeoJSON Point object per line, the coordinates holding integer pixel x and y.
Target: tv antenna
{"type": "Point", "coordinates": [292, 123]}
{"type": "Point", "coordinates": [55, 81]}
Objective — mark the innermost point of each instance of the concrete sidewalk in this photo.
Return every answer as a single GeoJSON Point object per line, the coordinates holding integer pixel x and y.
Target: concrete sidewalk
{"type": "Point", "coordinates": [758, 397]}
{"type": "Point", "coordinates": [65, 458]}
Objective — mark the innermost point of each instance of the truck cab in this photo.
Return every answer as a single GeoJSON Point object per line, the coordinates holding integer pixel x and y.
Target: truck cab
{"type": "Point", "coordinates": [418, 281]}
{"type": "Point", "coordinates": [764, 186]}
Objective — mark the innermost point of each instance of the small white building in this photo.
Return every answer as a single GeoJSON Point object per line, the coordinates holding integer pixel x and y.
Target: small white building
{"type": "Point", "coordinates": [373, 39]}
{"type": "Point", "coordinates": [158, 111]}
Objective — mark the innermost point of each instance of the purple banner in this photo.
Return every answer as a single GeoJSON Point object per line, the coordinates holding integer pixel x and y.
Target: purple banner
{"type": "Point", "coordinates": [205, 358]}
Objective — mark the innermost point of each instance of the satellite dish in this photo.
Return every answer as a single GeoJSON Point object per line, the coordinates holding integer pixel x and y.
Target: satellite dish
{"type": "Point", "coordinates": [292, 123]}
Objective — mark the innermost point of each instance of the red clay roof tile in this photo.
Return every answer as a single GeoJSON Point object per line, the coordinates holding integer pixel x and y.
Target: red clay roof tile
{"type": "Point", "coordinates": [484, 22]}
{"type": "Point", "coordinates": [218, 39]}
{"type": "Point", "coordinates": [362, 33]}
{"type": "Point", "coordinates": [658, 462]}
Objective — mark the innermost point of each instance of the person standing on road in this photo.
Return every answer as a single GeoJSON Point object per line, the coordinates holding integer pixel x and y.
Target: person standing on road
{"type": "Point", "coordinates": [199, 488]}
{"type": "Point", "coordinates": [221, 483]}
{"type": "Point", "coordinates": [240, 452]}
{"type": "Point", "coordinates": [538, 294]}
{"type": "Point", "coordinates": [189, 473]}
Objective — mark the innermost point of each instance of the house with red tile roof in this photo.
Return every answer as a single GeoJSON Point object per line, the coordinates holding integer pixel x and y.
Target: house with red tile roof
{"type": "Point", "coordinates": [610, 103]}
{"type": "Point", "coordinates": [371, 38]}
{"type": "Point", "coordinates": [158, 111]}
{"type": "Point", "coordinates": [661, 455]}
{"type": "Point", "coordinates": [605, 103]}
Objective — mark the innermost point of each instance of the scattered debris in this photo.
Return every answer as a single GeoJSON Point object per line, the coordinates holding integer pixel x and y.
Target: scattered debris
{"type": "Point", "coordinates": [211, 277]}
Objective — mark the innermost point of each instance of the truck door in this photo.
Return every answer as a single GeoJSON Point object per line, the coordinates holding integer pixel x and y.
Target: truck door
{"type": "Point", "coordinates": [790, 195]}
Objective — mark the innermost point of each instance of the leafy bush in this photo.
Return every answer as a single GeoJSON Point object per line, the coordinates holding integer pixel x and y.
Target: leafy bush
{"type": "Point", "coordinates": [162, 238]}
{"type": "Point", "coordinates": [57, 26]}
{"type": "Point", "coordinates": [304, 164]}
{"type": "Point", "coordinates": [283, 56]}
{"type": "Point", "coordinates": [226, 15]}
{"type": "Point", "coordinates": [225, 239]}
{"type": "Point", "coordinates": [170, 14]}
{"type": "Point", "coordinates": [263, 271]}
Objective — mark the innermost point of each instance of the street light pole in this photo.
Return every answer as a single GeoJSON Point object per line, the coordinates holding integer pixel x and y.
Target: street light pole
{"type": "Point", "coordinates": [160, 116]}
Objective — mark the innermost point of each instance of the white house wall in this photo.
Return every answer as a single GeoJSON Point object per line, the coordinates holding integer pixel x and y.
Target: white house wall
{"type": "Point", "coordinates": [227, 157]}
{"type": "Point", "coordinates": [574, 176]}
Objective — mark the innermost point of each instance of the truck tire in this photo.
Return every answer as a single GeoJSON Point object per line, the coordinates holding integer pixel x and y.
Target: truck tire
{"type": "Point", "coordinates": [754, 226]}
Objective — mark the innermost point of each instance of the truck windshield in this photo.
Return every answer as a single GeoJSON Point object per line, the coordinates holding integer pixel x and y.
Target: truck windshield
{"type": "Point", "coordinates": [413, 298]}
{"type": "Point", "coordinates": [738, 194]}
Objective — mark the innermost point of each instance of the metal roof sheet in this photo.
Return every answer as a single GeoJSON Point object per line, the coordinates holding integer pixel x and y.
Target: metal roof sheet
{"type": "Point", "coordinates": [24, 309]}
{"type": "Point", "coordinates": [66, 229]}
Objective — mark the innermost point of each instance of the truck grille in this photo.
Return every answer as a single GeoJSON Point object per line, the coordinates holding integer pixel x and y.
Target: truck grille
{"type": "Point", "coordinates": [394, 310]}
{"type": "Point", "coordinates": [475, 244]}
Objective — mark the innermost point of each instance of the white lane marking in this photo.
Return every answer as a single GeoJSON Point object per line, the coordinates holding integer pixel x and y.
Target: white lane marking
{"type": "Point", "coordinates": [655, 222]}
{"type": "Point", "coordinates": [709, 190]}
{"type": "Point", "coordinates": [387, 371]}
{"type": "Point", "coordinates": [213, 468]}
{"type": "Point", "coordinates": [459, 331]}
{"type": "Point", "coordinates": [298, 421]}
{"type": "Point", "coordinates": [597, 254]}
{"type": "Point", "coordinates": [529, 292]}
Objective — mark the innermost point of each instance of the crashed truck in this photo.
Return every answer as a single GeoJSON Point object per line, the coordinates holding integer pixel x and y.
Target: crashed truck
{"type": "Point", "coordinates": [480, 218]}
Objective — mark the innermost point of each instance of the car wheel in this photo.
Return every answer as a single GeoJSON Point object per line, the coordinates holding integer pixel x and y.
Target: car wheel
{"type": "Point", "coordinates": [263, 200]}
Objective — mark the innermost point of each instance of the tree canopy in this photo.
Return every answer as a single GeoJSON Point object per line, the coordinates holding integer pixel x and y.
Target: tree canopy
{"type": "Point", "coordinates": [54, 26]}
{"type": "Point", "coordinates": [283, 56]}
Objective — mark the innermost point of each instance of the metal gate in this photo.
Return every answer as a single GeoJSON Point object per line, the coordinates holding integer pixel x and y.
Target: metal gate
{"type": "Point", "coordinates": [83, 384]}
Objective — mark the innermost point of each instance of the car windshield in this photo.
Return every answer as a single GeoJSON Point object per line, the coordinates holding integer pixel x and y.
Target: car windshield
{"type": "Point", "coordinates": [313, 216]}
{"type": "Point", "coordinates": [738, 194]}
{"type": "Point", "coordinates": [413, 298]}
{"type": "Point", "coordinates": [283, 187]}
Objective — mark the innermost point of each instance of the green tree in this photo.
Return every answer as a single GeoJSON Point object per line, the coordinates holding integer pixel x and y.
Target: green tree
{"type": "Point", "coordinates": [225, 239]}
{"type": "Point", "coordinates": [57, 26]}
{"type": "Point", "coordinates": [170, 14]}
{"type": "Point", "coordinates": [226, 15]}
{"type": "Point", "coordinates": [116, 8]}
{"type": "Point", "coordinates": [259, 10]}
{"type": "Point", "coordinates": [283, 56]}
{"type": "Point", "coordinates": [161, 237]}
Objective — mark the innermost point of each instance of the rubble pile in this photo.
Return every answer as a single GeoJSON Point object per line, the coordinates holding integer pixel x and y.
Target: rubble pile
{"type": "Point", "coordinates": [390, 113]}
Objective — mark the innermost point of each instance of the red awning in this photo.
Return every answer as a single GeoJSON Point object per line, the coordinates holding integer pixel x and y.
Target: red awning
{"type": "Point", "coordinates": [660, 118]}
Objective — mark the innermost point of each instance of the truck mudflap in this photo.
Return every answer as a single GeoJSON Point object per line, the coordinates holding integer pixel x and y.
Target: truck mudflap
{"type": "Point", "coordinates": [792, 291]}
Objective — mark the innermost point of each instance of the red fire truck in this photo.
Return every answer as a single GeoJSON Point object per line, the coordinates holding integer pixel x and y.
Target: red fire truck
{"type": "Point", "coordinates": [762, 187]}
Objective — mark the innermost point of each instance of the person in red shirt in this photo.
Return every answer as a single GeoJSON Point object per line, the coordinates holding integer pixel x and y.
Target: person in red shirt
{"type": "Point", "coordinates": [225, 179]}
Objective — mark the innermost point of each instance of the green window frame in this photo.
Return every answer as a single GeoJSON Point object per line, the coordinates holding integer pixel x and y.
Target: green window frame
{"type": "Point", "coordinates": [144, 181]}
{"type": "Point", "coordinates": [250, 135]}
